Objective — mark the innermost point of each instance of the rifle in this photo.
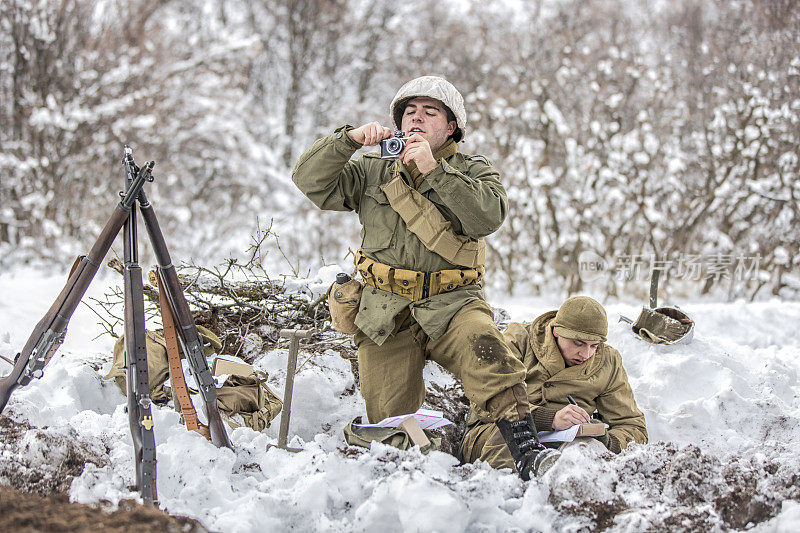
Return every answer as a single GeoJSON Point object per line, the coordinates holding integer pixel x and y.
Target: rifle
{"type": "Point", "coordinates": [140, 417]}
{"type": "Point", "coordinates": [188, 336]}
{"type": "Point", "coordinates": [49, 333]}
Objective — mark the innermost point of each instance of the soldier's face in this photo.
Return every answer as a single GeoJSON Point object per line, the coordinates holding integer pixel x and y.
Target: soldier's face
{"type": "Point", "coordinates": [428, 118]}
{"type": "Point", "coordinates": [574, 351]}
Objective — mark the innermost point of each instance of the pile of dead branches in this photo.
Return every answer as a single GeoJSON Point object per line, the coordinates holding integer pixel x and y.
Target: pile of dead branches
{"type": "Point", "coordinates": [239, 303]}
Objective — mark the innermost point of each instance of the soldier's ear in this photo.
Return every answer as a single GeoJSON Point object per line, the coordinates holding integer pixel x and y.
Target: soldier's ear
{"type": "Point", "coordinates": [451, 127]}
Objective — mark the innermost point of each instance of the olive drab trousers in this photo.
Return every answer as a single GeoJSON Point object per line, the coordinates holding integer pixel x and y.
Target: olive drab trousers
{"type": "Point", "coordinates": [485, 442]}
{"type": "Point", "coordinates": [472, 348]}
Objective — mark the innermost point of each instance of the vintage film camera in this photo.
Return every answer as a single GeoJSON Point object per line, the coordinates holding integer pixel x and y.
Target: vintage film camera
{"type": "Point", "coordinates": [391, 147]}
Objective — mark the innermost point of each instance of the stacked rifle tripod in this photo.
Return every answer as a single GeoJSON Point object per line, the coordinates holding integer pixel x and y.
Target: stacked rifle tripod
{"type": "Point", "coordinates": [178, 323]}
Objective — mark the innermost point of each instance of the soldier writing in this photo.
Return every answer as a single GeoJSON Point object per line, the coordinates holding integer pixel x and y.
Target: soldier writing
{"type": "Point", "coordinates": [424, 215]}
{"type": "Point", "coordinates": [565, 354]}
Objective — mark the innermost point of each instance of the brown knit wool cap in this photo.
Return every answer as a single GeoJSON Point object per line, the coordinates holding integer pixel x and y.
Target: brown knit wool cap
{"type": "Point", "coordinates": [581, 318]}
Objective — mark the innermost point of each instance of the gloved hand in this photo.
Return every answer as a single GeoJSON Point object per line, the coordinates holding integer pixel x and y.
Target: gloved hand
{"type": "Point", "coordinates": [610, 441]}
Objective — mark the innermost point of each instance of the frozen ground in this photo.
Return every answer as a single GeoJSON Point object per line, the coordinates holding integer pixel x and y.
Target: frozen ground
{"type": "Point", "coordinates": [722, 413]}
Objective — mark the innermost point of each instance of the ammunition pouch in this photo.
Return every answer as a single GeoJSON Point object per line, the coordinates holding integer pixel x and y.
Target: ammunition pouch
{"type": "Point", "coordinates": [413, 284]}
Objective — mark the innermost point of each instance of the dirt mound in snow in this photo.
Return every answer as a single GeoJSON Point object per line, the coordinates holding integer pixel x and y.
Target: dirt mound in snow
{"type": "Point", "coordinates": [30, 512]}
{"type": "Point", "coordinates": [34, 493]}
{"type": "Point", "coordinates": [51, 465]}
{"type": "Point", "coordinates": [664, 487]}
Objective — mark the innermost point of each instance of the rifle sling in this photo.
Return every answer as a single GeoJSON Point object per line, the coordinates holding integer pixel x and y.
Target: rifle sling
{"type": "Point", "coordinates": [176, 370]}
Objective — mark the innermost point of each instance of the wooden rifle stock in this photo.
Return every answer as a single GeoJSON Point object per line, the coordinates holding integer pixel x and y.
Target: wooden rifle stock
{"type": "Point", "coordinates": [49, 333]}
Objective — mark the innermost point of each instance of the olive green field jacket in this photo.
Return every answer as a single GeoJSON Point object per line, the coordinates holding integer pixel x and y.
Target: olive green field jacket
{"type": "Point", "coordinates": [465, 189]}
{"type": "Point", "coordinates": [599, 383]}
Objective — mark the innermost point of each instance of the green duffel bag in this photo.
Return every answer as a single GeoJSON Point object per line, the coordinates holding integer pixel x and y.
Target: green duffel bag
{"type": "Point", "coordinates": [157, 366]}
{"type": "Point", "coordinates": [356, 435]}
{"type": "Point", "coordinates": [248, 399]}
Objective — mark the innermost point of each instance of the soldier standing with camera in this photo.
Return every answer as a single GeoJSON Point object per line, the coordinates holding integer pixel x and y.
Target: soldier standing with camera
{"type": "Point", "coordinates": [424, 208]}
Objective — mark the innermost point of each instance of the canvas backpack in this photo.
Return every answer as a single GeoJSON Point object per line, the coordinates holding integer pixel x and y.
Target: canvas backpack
{"type": "Point", "coordinates": [248, 401]}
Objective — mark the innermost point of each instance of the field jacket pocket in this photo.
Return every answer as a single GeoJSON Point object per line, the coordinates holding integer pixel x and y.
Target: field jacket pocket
{"type": "Point", "coordinates": [378, 220]}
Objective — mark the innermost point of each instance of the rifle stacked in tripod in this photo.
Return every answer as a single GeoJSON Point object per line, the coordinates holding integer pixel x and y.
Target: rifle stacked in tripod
{"type": "Point", "coordinates": [49, 333]}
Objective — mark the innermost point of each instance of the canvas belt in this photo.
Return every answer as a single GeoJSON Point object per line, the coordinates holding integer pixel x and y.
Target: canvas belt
{"type": "Point", "coordinates": [412, 284]}
{"type": "Point", "coordinates": [175, 369]}
{"type": "Point", "coordinates": [424, 220]}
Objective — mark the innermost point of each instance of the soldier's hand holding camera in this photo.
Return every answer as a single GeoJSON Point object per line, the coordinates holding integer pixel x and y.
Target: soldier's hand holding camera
{"type": "Point", "coordinates": [419, 150]}
{"type": "Point", "coordinates": [370, 134]}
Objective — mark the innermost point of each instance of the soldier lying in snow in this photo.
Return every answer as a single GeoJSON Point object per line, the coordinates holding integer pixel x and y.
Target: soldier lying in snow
{"type": "Point", "coordinates": [565, 353]}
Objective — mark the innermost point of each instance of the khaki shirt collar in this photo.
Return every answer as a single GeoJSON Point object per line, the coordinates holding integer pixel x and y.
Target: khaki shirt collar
{"type": "Point", "coordinates": [449, 148]}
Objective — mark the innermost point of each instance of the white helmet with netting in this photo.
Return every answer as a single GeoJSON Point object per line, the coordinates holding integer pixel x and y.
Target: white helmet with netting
{"type": "Point", "coordinates": [432, 87]}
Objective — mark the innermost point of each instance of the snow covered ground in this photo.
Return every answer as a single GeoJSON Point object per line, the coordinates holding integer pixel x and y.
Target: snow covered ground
{"type": "Point", "coordinates": [722, 413]}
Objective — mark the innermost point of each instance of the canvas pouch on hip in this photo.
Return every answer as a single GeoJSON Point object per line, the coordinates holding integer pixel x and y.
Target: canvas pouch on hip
{"type": "Point", "coordinates": [356, 435]}
{"type": "Point", "coordinates": [343, 302]}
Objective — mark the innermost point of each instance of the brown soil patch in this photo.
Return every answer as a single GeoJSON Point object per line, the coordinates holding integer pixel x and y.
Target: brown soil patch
{"type": "Point", "coordinates": [21, 512]}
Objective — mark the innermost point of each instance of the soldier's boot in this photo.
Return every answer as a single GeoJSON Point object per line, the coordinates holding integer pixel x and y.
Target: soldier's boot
{"type": "Point", "coordinates": [530, 457]}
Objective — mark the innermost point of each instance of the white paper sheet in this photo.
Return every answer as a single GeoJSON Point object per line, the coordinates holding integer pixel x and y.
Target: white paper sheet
{"type": "Point", "coordinates": [426, 418]}
{"type": "Point", "coordinates": [565, 435]}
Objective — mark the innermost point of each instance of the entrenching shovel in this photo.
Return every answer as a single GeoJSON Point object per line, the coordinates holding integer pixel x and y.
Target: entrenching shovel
{"type": "Point", "coordinates": [294, 336]}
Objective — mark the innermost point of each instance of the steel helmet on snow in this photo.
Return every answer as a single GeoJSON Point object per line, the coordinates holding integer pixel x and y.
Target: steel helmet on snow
{"type": "Point", "coordinates": [432, 87]}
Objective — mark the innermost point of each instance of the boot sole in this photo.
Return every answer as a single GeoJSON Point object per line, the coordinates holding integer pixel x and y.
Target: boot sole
{"type": "Point", "coordinates": [546, 460]}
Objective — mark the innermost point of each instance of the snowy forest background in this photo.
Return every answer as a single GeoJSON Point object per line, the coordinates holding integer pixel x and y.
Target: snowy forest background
{"type": "Point", "coordinates": [658, 129]}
